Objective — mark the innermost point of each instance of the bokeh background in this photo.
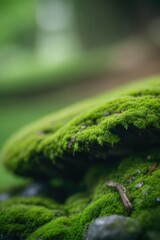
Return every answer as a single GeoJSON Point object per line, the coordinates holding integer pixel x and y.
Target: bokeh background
{"type": "Point", "coordinates": [56, 52]}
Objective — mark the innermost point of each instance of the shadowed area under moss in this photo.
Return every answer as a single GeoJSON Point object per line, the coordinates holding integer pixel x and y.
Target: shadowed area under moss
{"type": "Point", "coordinates": [112, 137]}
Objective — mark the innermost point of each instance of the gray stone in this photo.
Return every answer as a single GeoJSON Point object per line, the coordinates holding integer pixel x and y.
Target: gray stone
{"type": "Point", "coordinates": [32, 190]}
{"type": "Point", "coordinates": [158, 199]}
{"type": "Point", "coordinates": [4, 196]}
{"type": "Point", "coordinates": [139, 185]}
{"type": "Point", "coordinates": [114, 227]}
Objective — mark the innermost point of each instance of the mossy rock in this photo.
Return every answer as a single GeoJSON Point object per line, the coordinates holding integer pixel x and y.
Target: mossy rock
{"type": "Point", "coordinates": [112, 137]}
{"type": "Point", "coordinates": [75, 138]}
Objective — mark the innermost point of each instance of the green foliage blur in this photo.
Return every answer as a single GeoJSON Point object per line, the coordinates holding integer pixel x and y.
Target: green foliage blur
{"type": "Point", "coordinates": [49, 49]}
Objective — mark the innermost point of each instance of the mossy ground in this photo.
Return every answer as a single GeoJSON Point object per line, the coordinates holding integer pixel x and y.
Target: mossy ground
{"type": "Point", "coordinates": [113, 137]}
{"type": "Point", "coordinates": [42, 218]}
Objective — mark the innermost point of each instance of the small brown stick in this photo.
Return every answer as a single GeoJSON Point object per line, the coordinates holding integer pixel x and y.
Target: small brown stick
{"type": "Point", "coordinates": [153, 168]}
{"type": "Point", "coordinates": [122, 191]}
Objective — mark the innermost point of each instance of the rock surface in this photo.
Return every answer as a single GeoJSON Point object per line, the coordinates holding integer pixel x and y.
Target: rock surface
{"type": "Point", "coordinates": [114, 227]}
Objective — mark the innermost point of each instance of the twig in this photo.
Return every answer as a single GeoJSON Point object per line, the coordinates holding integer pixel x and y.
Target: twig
{"type": "Point", "coordinates": [153, 168]}
{"type": "Point", "coordinates": [122, 191]}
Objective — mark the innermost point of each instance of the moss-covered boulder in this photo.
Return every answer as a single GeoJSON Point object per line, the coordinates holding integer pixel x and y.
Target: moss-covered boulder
{"type": "Point", "coordinates": [114, 137]}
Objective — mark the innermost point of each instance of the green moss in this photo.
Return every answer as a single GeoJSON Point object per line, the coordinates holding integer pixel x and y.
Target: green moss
{"type": "Point", "coordinates": [81, 209]}
{"type": "Point", "coordinates": [61, 228]}
{"type": "Point", "coordinates": [112, 139]}
{"type": "Point", "coordinates": [35, 201]}
{"type": "Point", "coordinates": [66, 142]}
{"type": "Point", "coordinates": [17, 221]}
{"type": "Point", "coordinates": [77, 202]}
{"type": "Point", "coordinates": [22, 216]}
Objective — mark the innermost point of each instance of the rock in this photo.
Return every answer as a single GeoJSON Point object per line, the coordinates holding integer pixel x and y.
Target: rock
{"type": "Point", "coordinates": [158, 199]}
{"type": "Point", "coordinates": [33, 190]}
{"type": "Point", "coordinates": [4, 196]}
{"type": "Point", "coordinates": [114, 227]}
{"type": "Point", "coordinates": [139, 185]}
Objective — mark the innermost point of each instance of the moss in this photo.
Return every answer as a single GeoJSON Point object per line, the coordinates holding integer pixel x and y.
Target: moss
{"type": "Point", "coordinates": [18, 221]}
{"type": "Point", "coordinates": [35, 201]}
{"type": "Point", "coordinates": [112, 139]}
{"type": "Point", "coordinates": [21, 216]}
{"type": "Point", "coordinates": [77, 202]}
{"type": "Point", "coordinates": [65, 143]}
{"type": "Point", "coordinates": [81, 209]}
{"type": "Point", "coordinates": [61, 228]}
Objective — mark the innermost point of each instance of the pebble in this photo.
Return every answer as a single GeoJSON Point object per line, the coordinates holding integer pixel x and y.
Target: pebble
{"type": "Point", "coordinates": [32, 190]}
{"type": "Point", "coordinates": [139, 185]}
{"type": "Point", "coordinates": [138, 171]}
{"type": "Point", "coordinates": [114, 227]}
{"type": "Point", "coordinates": [158, 199]}
{"type": "Point", "coordinates": [4, 196]}
{"type": "Point", "coordinates": [106, 114]}
{"type": "Point", "coordinates": [129, 180]}
{"type": "Point", "coordinates": [149, 157]}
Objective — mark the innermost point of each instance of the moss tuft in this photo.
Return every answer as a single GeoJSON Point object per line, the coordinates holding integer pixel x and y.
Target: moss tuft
{"type": "Point", "coordinates": [18, 221]}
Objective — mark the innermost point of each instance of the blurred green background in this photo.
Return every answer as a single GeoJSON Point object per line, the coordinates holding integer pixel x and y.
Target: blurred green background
{"type": "Point", "coordinates": [56, 52]}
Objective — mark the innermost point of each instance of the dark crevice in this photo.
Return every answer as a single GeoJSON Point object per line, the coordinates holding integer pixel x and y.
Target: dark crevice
{"type": "Point", "coordinates": [133, 140]}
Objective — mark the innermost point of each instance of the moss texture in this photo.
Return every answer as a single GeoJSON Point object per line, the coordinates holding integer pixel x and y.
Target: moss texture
{"type": "Point", "coordinates": [36, 218]}
{"type": "Point", "coordinates": [115, 137]}
{"type": "Point", "coordinates": [82, 134]}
